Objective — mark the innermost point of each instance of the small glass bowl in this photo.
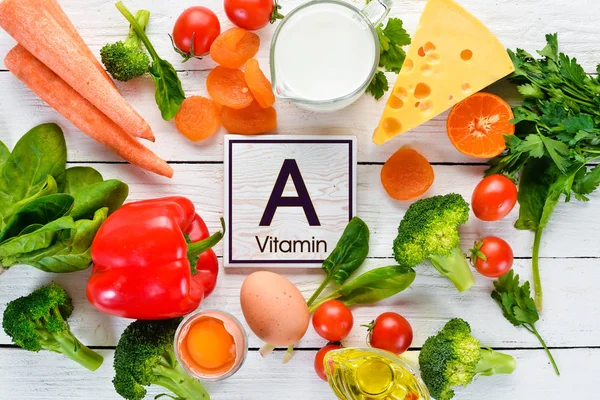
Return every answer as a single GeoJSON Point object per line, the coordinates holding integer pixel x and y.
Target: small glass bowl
{"type": "Point", "coordinates": [235, 329]}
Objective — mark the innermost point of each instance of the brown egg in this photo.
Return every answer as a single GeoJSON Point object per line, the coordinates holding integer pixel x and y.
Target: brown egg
{"type": "Point", "coordinates": [274, 308]}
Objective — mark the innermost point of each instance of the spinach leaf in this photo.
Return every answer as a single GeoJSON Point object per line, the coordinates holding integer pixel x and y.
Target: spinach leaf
{"type": "Point", "coordinates": [77, 178]}
{"type": "Point", "coordinates": [39, 211]}
{"type": "Point", "coordinates": [373, 286]}
{"type": "Point", "coordinates": [40, 239]}
{"type": "Point", "coordinates": [169, 93]}
{"type": "Point", "coordinates": [349, 253]}
{"type": "Point", "coordinates": [4, 154]}
{"type": "Point", "coordinates": [50, 187]}
{"type": "Point", "coordinates": [30, 228]}
{"type": "Point", "coordinates": [533, 193]}
{"type": "Point", "coordinates": [40, 153]}
{"type": "Point", "coordinates": [111, 193]}
{"type": "Point", "coordinates": [70, 252]}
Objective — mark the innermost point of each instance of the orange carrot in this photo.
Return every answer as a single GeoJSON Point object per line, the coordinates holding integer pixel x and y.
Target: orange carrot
{"type": "Point", "coordinates": [64, 99]}
{"type": "Point", "coordinates": [59, 15]}
{"type": "Point", "coordinates": [45, 38]}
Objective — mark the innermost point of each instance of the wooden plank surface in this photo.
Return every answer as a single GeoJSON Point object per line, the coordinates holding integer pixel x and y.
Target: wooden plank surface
{"type": "Point", "coordinates": [570, 246]}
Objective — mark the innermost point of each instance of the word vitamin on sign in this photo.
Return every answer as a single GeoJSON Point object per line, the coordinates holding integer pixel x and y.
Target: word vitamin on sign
{"type": "Point", "coordinates": [287, 198]}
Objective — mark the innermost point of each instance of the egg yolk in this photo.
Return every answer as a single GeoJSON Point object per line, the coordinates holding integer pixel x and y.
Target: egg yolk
{"type": "Point", "coordinates": [210, 345]}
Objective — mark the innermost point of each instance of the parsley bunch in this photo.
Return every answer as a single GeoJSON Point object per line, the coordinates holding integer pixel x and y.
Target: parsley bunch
{"type": "Point", "coordinates": [391, 40]}
{"type": "Point", "coordinates": [557, 135]}
{"type": "Point", "coordinates": [518, 307]}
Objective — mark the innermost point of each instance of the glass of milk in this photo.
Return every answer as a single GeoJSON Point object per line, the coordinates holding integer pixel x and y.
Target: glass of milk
{"type": "Point", "coordinates": [325, 53]}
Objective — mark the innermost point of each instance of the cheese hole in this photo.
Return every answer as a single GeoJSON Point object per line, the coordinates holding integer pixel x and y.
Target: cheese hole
{"type": "Point", "coordinates": [426, 107]}
{"type": "Point", "coordinates": [427, 47]}
{"type": "Point", "coordinates": [417, 104]}
{"type": "Point", "coordinates": [450, 98]}
{"type": "Point", "coordinates": [408, 66]}
{"type": "Point", "coordinates": [466, 88]}
{"type": "Point", "coordinates": [401, 93]}
{"type": "Point", "coordinates": [421, 51]}
{"type": "Point", "coordinates": [395, 102]}
{"type": "Point", "coordinates": [422, 91]}
{"type": "Point", "coordinates": [392, 126]}
{"type": "Point", "coordinates": [433, 58]}
{"type": "Point", "coordinates": [466, 55]}
{"type": "Point", "coordinates": [427, 70]}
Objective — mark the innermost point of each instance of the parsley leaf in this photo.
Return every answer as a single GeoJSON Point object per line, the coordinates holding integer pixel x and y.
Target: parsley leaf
{"type": "Point", "coordinates": [518, 307]}
{"type": "Point", "coordinates": [379, 85]}
{"type": "Point", "coordinates": [587, 184]}
{"type": "Point", "coordinates": [396, 33]}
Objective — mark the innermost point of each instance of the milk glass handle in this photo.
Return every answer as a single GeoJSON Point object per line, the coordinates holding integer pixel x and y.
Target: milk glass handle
{"type": "Point", "coordinates": [377, 10]}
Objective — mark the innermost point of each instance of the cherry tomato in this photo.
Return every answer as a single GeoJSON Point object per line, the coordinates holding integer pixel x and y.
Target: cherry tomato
{"type": "Point", "coordinates": [333, 320]}
{"type": "Point", "coordinates": [492, 257]}
{"type": "Point", "coordinates": [391, 332]}
{"type": "Point", "coordinates": [250, 14]}
{"type": "Point", "coordinates": [319, 364]}
{"type": "Point", "coordinates": [199, 22]}
{"type": "Point", "coordinates": [494, 198]}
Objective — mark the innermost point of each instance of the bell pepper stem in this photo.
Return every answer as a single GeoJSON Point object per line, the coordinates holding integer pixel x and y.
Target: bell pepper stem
{"type": "Point", "coordinates": [197, 248]}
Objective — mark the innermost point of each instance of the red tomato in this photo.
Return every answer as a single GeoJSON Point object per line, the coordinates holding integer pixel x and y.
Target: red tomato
{"type": "Point", "coordinates": [494, 198]}
{"type": "Point", "coordinates": [200, 22]}
{"type": "Point", "coordinates": [492, 257]}
{"type": "Point", "coordinates": [391, 332]}
{"type": "Point", "coordinates": [249, 14]}
{"type": "Point", "coordinates": [333, 320]}
{"type": "Point", "coordinates": [319, 364]}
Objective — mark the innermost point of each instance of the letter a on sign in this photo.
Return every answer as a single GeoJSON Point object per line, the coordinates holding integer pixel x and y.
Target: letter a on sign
{"type": "Point", "coordinates": [276, 200]}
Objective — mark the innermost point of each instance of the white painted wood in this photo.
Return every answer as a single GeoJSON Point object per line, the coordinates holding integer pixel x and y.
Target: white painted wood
{"type": "Point", "coordinates": [45, 376]}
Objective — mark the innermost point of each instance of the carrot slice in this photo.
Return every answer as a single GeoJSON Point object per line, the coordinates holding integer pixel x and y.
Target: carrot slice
{"type": "Point", "coordinates": [59, 15]}
{"type": "Point", "coordinates": [198, 118]}
{"type": "Point", "coordinates": [406, 175]}
{"type": "Point", "coordinates": [476, 126]}
{"type": "Point", "coordinates": [251, 120]}
{"type": "Point", "coordinates": [47, 40]}
{"type": "Point", "coordinates": [87, 118]}
{"type": "Point", "coordinates": [228, 88]}
{"type": "Point", "coordinates": [259, 84]}
{"type": "Point", "coordinates": [234, 47]}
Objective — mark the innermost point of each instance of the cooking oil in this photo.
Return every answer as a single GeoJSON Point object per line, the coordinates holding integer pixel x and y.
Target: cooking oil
{"type": "Point", "coordinates": [372, 374]}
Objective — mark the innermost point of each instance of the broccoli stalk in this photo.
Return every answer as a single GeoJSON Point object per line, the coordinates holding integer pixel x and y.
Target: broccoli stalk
{"type": "Point", "coordinates": [145, 356]}
{"type": "Point", "coordinates": [39, 321]}
{"type": "Point", "coordinates": [429, 231]}
{"type": "Point", "coordinates": [126, 60]}
{"type": "Point", "coordinates": [454, 357]}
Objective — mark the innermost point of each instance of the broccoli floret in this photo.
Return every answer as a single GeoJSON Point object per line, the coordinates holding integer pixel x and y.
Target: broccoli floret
{"type": "Point", "coordinates": [453, 357]}
{"type": "Point", "coordinates": [429, 231]}
{"type": "Point", "coordinates": [126, 60]}
{"type": "Point", "coordinates": [39, 321]}
{"type": "Point", "coordinates": [145, 356]}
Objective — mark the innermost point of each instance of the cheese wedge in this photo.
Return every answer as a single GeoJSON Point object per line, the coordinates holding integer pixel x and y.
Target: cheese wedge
{"type": "Point", "coordinates": [452, 56]}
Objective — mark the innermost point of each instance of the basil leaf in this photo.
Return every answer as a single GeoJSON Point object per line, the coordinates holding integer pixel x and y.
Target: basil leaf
{"type": "Point", "coordinates": [375, 285]}
{"type": "Point", "coordinates": [349, 253]}
{"type": "Point", "coordinates": [77, 178]}
{"type": "Point", "coordinates": [68, 254]}
{"type": "Point", "coordinates": [169, 93]}
{"type": "Point", "coordinates": [39, 211]}
{"type": "Point", "coordinates": [39, 153]}
{"type": "Point", "coordinates": [40, 239]}
{"type": "Point", "coordinates": [111, 194]}
{"type": "Point", "coordinates": [4, 154]}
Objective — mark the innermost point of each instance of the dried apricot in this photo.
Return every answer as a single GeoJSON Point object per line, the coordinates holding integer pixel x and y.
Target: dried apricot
{"type": "Point", "coordinates": [259, 84]}
{"type": "Point", "coordinates": [227, 87]}
{"type": "Point", "coordinates": [251, 120]}
{"type": "Point", "coordinates": [198, 118]}
{"type": "Point", "coordinates": [406, 175]}
{"type": "Point", "coordinates": [234, 47]}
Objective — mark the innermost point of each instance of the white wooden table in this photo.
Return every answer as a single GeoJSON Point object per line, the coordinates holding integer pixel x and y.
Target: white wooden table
{"type": "Point", "coordinates": [570, 249]}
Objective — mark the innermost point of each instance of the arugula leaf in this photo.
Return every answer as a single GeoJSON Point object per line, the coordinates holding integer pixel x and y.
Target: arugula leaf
{"type": "Point", "coordinates": [379, 85]}
{"type": "Point", "coordinates": [518, 307]}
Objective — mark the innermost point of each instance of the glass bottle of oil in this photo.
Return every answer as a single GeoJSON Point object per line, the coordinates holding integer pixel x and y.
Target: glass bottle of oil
{"type": "Point", "coordinates": [372, 374]}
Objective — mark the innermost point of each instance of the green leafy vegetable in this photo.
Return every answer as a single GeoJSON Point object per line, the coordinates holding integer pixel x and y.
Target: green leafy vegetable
{"type": "Point", "coordinates": [557, 135]}
{"type": "Point", "coordinates": [111, 193]}
{"type": "Point", "coordinates": [349, 254]}
{"type": "Point", "coordinates": [4, 154]}
{"type": "Point", "coordinates": [392, 38]}
{"type": "Point", "coordinates": [79, 177]}
{"type": "Point", "coordinates": [372, 286]}
{"type": "Point", "coordinates": [169, 93]}
{"type": "Point", "coordinates": [518, 307]}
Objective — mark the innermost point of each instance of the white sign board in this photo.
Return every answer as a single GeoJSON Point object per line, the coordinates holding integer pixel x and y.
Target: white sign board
{"type": "Point", "coordinates": [287, 198]}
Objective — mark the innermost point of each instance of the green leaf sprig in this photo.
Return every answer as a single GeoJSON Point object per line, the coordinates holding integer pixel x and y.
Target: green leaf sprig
{"type": "Point", "coordinates": [391, 40]}
{"type": "Point", "coordinates": [518, 307]}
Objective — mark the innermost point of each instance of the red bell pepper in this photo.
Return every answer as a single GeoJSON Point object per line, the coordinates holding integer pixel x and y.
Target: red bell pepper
{"type": "Point", "coordinates": [145, 259]}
